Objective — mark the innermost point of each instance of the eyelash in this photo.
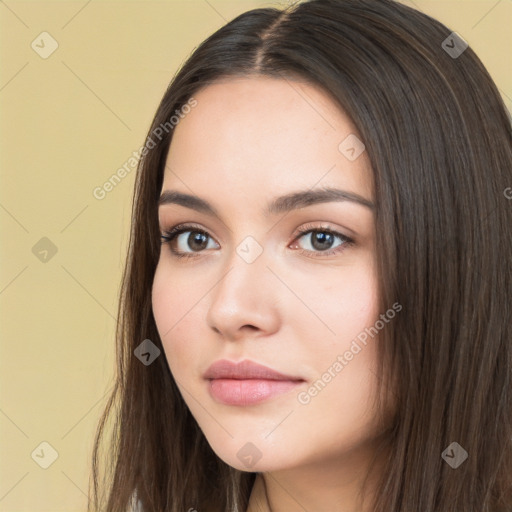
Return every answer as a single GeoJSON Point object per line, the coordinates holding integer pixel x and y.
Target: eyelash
{"type": "Point", "coordinates": [168, 236]}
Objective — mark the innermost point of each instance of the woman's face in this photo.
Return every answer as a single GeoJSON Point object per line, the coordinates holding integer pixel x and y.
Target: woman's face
{"type": "Point", "coordinates": [252, 287]}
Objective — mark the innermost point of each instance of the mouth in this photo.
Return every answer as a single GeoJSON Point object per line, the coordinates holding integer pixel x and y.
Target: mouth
{"type": "Point", "coordinates": [247, 383]}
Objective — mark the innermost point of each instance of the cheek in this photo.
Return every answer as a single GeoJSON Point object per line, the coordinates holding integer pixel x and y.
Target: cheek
{"type": "Point", "coordinates": [175, 315]}
{"type": "Point", "coordinates": [347, 305]}
{"type": "Point", "coordinates": [174, 298]}
{"type": "Point", "coordinates": [164, 302]}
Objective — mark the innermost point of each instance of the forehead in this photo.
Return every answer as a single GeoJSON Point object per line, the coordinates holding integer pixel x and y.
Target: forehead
{"type": "Point", "coordinates": [261, 134]}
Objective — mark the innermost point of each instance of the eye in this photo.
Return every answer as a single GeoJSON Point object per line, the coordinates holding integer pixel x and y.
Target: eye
{"type": "Point", "coordinates": [321, 241]}
{"type": "Point", "coordinates": [185, 240]}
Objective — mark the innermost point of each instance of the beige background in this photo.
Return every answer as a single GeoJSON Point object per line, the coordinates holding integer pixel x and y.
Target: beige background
{"type": "Point", "coordinates": [68, 123]}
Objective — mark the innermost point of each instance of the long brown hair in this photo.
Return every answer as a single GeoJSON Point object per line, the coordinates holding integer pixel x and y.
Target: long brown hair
{"type": "Point", "coordinates": [438, 136]}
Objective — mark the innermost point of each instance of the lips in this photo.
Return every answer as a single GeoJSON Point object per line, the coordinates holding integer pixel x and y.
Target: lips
{"type": "Point", "coordinates": [246, 369]}
{"type": "Point", "coordinates": [246, 383]}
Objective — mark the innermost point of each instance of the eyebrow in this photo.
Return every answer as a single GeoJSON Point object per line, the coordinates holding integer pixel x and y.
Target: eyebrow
{"type": "Point", "coordinates": [282, 204]}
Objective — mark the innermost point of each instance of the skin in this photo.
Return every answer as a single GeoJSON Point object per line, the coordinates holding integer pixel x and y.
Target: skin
{"type": "Point", "coordinates": [247, 141]}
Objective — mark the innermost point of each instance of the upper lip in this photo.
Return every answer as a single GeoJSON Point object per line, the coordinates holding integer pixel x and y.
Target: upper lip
{"type": "Point", "coordinates": [225, 369]}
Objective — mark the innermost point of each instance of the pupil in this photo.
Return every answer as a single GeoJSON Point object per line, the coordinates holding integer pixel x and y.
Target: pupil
{"type": "Point", "coordinates": [322, 240]}
{"type": "Point", "coordinates": [197, 238]}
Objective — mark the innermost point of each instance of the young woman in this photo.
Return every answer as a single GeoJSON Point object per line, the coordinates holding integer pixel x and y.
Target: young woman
{"type": "Point", "coordinates": [316, 307]}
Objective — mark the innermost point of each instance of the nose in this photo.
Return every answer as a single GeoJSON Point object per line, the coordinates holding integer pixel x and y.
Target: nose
{"type": "Point", "coordinates": [245, 301]}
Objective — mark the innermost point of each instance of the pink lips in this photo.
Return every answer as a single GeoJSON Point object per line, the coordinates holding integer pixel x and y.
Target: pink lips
{"type": "Point", "coordinates": [246, 382]}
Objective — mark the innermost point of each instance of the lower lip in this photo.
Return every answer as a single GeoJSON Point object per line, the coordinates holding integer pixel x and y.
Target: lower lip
{"type": "Point", "coordinates": [248, 391]}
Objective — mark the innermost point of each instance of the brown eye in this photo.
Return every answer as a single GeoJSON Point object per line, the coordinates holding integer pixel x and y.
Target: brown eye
{"type": "Point", "coordinates": [196, 241]}
{"type": "Point", "coordinates": [320, 241]}
{"type": "Point", "coordinates": [187, 240]}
